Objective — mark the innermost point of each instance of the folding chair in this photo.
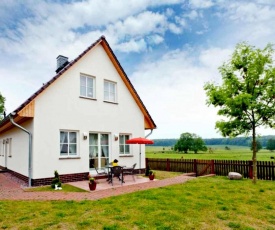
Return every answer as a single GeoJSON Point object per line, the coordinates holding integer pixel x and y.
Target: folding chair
{"type": "Point", "coordinates": [130, 171]}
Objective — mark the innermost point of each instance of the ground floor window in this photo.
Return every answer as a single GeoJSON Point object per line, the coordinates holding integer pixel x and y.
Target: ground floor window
{"type": "Point", "coordinates": [123, 147]}
{"type": "Point", "coordinates": [99, 144]}
{"type": "Point", "coordinates": [68, 143]}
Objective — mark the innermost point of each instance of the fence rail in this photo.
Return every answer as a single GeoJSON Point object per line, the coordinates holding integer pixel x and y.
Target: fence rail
{"type": "Point", "coordinates": [265, 169]}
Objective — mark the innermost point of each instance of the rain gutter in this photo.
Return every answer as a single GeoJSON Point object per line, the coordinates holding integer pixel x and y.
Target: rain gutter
{"type": "Point", "coordinates": [149, 133]}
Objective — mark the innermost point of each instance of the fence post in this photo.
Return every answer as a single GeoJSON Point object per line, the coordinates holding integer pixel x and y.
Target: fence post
{"type": "Point", "coordinates": [212, 167]}
{"type": "Point", "coordinates": [195, 167]}
{"type": "Point", "coordinates": [167, 165]}
{"type": "Point", "coordinates": [250, 163]}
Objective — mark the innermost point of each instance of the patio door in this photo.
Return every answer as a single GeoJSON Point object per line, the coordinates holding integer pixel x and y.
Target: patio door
{"type": "Point", "coordinates": [98, 150]}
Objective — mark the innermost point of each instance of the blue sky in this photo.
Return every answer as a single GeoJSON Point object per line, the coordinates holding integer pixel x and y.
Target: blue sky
{"type": "Point", "coordinates": [168, 48]}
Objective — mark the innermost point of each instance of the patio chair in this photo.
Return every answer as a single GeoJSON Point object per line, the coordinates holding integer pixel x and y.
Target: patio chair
{"type": "Point", "coordinates": [100, 173]}
{"type": "Point", "coordinates": [130, 171]}
{"type": "Point", "coordinates": [117, 171]}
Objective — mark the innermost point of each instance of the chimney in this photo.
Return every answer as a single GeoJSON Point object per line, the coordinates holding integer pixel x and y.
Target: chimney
{"type": "Point", "coordinates": [61, 63]}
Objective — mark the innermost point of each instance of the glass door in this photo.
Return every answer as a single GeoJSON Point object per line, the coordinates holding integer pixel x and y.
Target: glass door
{"type": "Point", "coordinates": [98, 150]}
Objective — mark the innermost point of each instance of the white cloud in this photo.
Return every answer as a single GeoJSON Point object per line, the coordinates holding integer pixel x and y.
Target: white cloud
{"type": "Point", "coordinates": [172, 90]}
{"type": "Point", "coordinates": [198, 4]}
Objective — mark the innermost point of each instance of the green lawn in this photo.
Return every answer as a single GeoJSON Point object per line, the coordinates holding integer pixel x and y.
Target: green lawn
{"type": "Point", "coordinates": [219, 153]}
{"type": "Point", "coordinates": [203, 203]}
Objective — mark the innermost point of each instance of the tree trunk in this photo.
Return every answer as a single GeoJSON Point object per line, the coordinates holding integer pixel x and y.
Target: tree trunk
{"type": "Point", "coordinates": [254, 157]}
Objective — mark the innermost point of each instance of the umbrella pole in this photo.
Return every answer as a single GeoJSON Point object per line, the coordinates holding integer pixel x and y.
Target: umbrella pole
{"type": "Point", "coordinates": [139, 158]}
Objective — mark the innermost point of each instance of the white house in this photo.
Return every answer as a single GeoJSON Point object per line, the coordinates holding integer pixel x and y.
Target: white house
{"type": "Point", "coordinates": [78, 120]}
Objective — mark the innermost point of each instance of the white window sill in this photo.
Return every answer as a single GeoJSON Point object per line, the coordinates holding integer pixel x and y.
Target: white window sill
{"type": "Point", "coordinates": [89, 98]}
{"type": "Point", "coordinates": [126, 155]}
{"type": "Point", "coordinates": [67, 158]}
{"type": "Point", "coordinates": [111, 102]}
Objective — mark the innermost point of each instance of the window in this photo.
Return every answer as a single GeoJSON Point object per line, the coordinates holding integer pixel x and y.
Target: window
{"type": "Point", "coordinates": [99, 149]}
{"type": "Point", "coordinates": [123, 147]}
{"type": "Point", "coordinates": [109, 91]}
{"type": "Point", "coordinates": [87, 86]}
{"type": "Point", "coordinates": [68, 143]}
{"type": "Point", "coordinates": [8, 146]}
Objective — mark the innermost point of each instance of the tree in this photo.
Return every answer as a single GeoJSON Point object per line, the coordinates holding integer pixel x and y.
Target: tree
{"type": "Point", "coordinates": [258, 146]}
{"type": "Point", "coordinates": [184, 143]}
{"type": "Point", "coordinates": [198, 144]}
{"type": "Point", "coordinates": [246, 95]}
{"type": "Point", "coordinates": [270, 145]}
{"type": "Point", "coordinates": [189, 141]}
{"type": "Point", "coordinates": [2, 107]}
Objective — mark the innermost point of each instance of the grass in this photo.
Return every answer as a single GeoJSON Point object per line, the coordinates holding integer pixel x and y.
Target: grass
{"type": "Point", "coordinates": [65, 188]}
{"type": "Point", "coordinates": [219, 153]}
{"type": "Point", "coordinates": [203, 203]}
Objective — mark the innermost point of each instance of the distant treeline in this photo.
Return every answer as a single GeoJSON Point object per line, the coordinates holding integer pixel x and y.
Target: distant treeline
{"type": "Point", "coordinates": [240, 141]}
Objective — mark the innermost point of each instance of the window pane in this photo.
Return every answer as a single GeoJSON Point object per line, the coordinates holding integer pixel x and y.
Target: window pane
{"type": "Point", "coordinates": [82, 91]}
{"type": "Point", "coordinates": [63, 149]}
{"type": "Point", "coordinates": [63, 137]}
{"type": "Point", "coordinates": [93, 139]}
{"type": "Point", "coordinates": [72, 137]}
{"type": "Point", "coordinates": [121, 139]}
{"type": "Point", "coordinates": [104, 139]}
{"type": "Point", "coordinates": [72, 149]}
{"type": "Point", "coordinates": [127, 149]}
{"type": "Point", "coordinates": [83, 81]}
{"type": "Point", "coordinates": [89, 82]}
{"type": "Point", "coordinates": [93, 151]}
{"type": "Point", "coordinates": [89, 92]}
{"type": "Point", "coordinates": [112, 88]}
{"type": "Point", "coordinates": [121, 149]}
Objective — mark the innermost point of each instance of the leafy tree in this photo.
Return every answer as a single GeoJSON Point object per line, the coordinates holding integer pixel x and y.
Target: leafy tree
{"type": "Point", "coordinates": [184, 143]}
{"type": "Point", "coordinates": [189, 141]}
{"type": "Point", "coordinates": [258, 147]}
{"type": "Point", "coordinates": [246, 96]}
{"type": "Point", "coordinates": [2, 106]}
{"type": "Point", "coordinates": [198, 144]}
{"type": "Point", "coordinates": [270, 145]}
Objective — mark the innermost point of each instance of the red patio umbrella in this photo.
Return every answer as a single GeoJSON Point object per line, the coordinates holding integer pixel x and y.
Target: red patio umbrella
{"type": "Point", "coordinates": [139, 140]}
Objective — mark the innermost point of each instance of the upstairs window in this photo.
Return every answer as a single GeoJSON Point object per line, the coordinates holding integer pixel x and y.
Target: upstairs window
{"type": "Point", "coordinates": [87, 86]}
{"type": "Point", "coordinates": [110, 91]}
{"type": "Point", "coordinates": [123, 147]}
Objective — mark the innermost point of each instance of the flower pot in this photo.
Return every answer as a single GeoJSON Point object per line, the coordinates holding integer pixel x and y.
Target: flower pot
{"type": "Point", "coordinates": [151, 177]}
{"type": "Point", "coordinates": [92, 186]}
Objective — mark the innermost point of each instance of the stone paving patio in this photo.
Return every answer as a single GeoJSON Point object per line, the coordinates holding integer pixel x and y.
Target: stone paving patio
{"type": "Point", "coordinates": [12, 189]}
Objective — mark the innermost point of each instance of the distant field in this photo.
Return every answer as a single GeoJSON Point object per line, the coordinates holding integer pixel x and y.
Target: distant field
{"type": "Point", "coordinates": [218, 153]}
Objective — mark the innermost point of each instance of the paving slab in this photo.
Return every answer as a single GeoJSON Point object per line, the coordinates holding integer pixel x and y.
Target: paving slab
{"type": "Point", "coordinates": [11, 189]}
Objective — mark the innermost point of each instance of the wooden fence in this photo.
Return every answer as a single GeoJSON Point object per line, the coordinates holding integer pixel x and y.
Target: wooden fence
{"type": "Point", "coordinates": [265, 169]}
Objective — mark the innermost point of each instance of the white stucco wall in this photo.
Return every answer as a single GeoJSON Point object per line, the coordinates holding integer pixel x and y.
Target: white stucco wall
{"type": "Point", "coordinates": [60, 107]}
{"type": "Point", "coordinates": [19, 159]}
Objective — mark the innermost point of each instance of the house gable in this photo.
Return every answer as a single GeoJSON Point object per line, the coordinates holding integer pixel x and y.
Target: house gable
{"type": "Point", "coordinates": [26, 110]}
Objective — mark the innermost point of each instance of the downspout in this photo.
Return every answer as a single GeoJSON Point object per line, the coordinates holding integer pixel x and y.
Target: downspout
{"type": "Point", "coordinates": [30, 147]}
{"type": "Point", "coordinates": [149, 133]}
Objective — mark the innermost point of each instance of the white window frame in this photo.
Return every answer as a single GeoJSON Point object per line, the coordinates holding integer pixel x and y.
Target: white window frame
{"type": "Point", "coordinates": [86, 86]}
{"type": "Point", "coordinates": [108, 95]}
{"type": "Point", "coordinates": [122, 137]}
{"type": "Point", "coordinates": [10, 145]}
{"type": "Point", "coordinates": [68, 155]}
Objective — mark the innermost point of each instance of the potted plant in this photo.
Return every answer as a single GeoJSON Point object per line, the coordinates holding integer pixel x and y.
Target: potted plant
{"type": "Point", "coordinates": [92, 183]}
{"type": "Point", "coordinates": [56, 183]}
{"type": "Point", "coordinates": [151, 175]}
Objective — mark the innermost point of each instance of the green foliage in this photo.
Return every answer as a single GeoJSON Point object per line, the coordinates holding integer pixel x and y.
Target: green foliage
{"type": "Point", "coordinates": [56, 180]}
{"type": "Point", "coordinates": [2, 106]}
{"type": "Point", "coordinates": [258, 147]}
{"type": "Point", "coordinates": [190, 142]}
{"type": "Point", "coordinates": [92, 180]}
{"type": "Point", "coordinates": [246, 96]}
{"type": "Point", "coordinates": [270, 144]}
